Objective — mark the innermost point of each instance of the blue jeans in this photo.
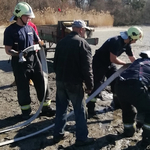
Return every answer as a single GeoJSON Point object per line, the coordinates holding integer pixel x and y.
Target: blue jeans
{"type": "Point", "coordinates": [69, 92]}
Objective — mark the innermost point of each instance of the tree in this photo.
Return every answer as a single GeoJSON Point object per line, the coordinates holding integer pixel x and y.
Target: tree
{"type": "Point", "coordinates": [79, 3]}
{"type": "Point", "coordinates": [138, 5]}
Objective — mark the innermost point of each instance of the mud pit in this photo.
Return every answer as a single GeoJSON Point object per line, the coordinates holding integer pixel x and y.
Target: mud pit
{"type": "Point", "coordinates": [106, 128]}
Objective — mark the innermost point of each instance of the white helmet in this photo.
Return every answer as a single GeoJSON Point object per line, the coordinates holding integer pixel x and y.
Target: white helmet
{"type": "Point", "coordinates": [22, 8]}
{"type": "Point", "coordinates": [134, 33]}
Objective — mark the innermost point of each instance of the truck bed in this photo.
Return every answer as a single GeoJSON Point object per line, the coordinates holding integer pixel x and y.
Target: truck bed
{"type": "Point", "coordinates": [48, 32]}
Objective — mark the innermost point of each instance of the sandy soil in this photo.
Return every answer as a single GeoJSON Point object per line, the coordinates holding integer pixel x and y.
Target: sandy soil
{"type": "Point", "coordinates": [106, 128]}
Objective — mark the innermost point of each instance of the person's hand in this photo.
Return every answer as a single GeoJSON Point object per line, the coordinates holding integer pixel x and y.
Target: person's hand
{"type": "Point", "coordinates": [41, 43]}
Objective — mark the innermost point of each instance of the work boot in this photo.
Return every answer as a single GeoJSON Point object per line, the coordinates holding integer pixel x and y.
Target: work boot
{"type": "Point", "coordinates": [48, 111]}
{"type": "Point", "coordinates": [88, 141]}
{"type": "Point", "coordinates": [26, 114]}
{"type": "Point", "coordinates": [129, 131]}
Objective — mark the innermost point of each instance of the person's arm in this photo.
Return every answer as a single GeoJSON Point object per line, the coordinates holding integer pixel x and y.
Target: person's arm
{"type": "Point", "coordinates": [10, 51]}
{"type": "Point", "coordinates": [9, 41]}
{"type": "Point", "coordinates": [30, 23]}
{"type": "Point", "coordinates": [132, 58]}
{"type": "Point", "coordinates": [114, 59]}
{"type": "Point", "coordinates": [86, 66]}
{"type": "Point", "coordinates": [130, 54]}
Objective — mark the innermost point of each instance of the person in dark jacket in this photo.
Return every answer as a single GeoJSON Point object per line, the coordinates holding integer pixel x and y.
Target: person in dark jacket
{"type": "Point", "coordinates": [17, 37]}
{"type": "Point", "coordinates": [106, 57]}
{"type": "Point", "coordinates": [132, 90]}
{"type": "Point", "coordinates": [73, 67]}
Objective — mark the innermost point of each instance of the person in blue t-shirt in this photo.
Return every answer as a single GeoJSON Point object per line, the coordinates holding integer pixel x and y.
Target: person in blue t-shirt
{"type": "Point", "coordinates": [132, 89]}
{"type": "Point", "coordinates": [17, 37]}
{"type": "Point", "coordinates": [106, 57]}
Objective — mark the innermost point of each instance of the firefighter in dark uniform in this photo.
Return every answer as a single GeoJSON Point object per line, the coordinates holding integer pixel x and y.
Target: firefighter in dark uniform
{"type": "Point", "coordinates": [132, 89]}
{"type": "Point", "coordinates": [106, 57]}
{"type": "Point", "coordinates": [17, 37]}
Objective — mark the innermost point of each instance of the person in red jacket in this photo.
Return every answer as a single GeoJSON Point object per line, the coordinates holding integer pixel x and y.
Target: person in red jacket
{"type": "Point", "coordinates": [59, 9]}
{"type": "Point", "coordinates": [30, 23]}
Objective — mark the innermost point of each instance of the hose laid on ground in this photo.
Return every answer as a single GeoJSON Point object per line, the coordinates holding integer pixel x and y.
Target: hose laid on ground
{"type": "Point", "coordinates": [45, 74]}
{"type": "Point", "coordinates": [107, 82]}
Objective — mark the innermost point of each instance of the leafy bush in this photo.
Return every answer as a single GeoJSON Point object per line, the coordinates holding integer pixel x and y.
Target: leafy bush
{"type": "Point", "coordinates": [46, 12]}
{"type": "Point", "coordinates": [132, 13]}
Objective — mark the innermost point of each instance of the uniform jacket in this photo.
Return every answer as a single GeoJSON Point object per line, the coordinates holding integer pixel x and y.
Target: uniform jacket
{"type": "Point", "coordinates": [73, 61]}
{"type": "Point", "coordinates": [138, 70]}
{"type": "Point", "coordinates": [114, 45]}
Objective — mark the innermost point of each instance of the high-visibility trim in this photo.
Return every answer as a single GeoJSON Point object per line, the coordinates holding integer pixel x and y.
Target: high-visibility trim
{"type": "Point", "coordinates": [25, 107]}
{"type": "Point", "coordinates": [147, 126]}
{"type": "Point", "coordinates": [129, 125]}
{"type": "Point", "coordinates": [47, 103]}
{"type": "Point", "coordinates": [93, 100]}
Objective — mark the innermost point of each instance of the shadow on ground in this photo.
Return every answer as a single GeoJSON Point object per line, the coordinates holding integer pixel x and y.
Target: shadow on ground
{"type": "Point", "coordinates": [5, 65]}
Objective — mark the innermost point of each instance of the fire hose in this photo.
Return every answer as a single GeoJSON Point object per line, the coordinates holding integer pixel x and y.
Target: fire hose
{"type": "Point", "coordinates": [45, 74]}
{"type": "Point", "coordinates": [106, 83]}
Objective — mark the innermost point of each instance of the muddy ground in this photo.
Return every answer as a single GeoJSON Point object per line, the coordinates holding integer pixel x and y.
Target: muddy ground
{"type": "Point", "coordinates": [106, 127]}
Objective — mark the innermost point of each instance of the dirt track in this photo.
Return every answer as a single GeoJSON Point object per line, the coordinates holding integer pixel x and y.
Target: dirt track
{"type": "Point", "coordinates": [106, 128]}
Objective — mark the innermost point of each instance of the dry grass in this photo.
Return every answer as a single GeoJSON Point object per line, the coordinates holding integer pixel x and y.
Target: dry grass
{"type": "Point", "coordinates": [51, 16]}
{"type": "Point", "coordinates": [119, 14]}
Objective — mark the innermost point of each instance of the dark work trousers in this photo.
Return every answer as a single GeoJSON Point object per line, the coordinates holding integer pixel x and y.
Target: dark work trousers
{"type": "Point", "coordinates": [23, 72]}
{"type": "Point", "coordinates": [101, 72]}
{"type": "Point", "coordinates": [133, 93]}
{"type": "Point", "coordinates": [75, 94]}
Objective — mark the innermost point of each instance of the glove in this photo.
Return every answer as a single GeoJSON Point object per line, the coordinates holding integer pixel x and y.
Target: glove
{"type": "Point", "coordinates": [21, 57]}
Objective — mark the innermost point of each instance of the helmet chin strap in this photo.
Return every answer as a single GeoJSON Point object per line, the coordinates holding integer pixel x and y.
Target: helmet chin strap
{"type": "Point", "coordinates": [130, 40]}
{"type": "Point", "coordinates": [22, 21]}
